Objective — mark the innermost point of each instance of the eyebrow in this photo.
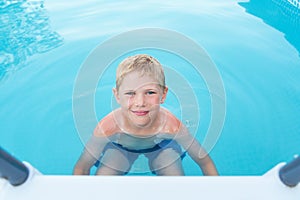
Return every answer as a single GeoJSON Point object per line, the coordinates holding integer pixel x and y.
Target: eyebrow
{"type": "Point", "coordinates": [138, 88]}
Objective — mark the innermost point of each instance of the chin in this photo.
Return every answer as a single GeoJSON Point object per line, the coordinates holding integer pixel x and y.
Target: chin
{"type": "Point", "coordinates": [142, 124]}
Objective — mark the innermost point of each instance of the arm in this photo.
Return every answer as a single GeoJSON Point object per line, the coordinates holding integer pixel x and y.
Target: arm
{"type": "Point", "coordinates": [90, 155]}
{"type": "Point", "coordinates": [196, 151]}
{"type": "Point", "coordinates": [94, 147]}
{"type": "Point", "coordinates": [205, 163]}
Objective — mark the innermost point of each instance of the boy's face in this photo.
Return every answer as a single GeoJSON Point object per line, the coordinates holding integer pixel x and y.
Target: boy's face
{"type": "Point", "coordinates": [140, 98]}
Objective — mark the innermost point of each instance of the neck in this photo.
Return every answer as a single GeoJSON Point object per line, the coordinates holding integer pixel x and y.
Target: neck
{"type": "Point", "coordinates": [150, 129]}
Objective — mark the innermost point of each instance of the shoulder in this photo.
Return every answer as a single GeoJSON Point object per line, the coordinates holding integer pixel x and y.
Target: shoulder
{"type": "Point", "coordinates": [172, 123]}
{"type": "Point", "coordinates": [107, 126]}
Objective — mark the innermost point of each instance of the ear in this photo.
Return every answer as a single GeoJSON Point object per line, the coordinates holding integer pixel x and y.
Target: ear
{"type": "Point", "coordinates": [164, 95]}
{"type": "Point", "coordinates": [116, 94]}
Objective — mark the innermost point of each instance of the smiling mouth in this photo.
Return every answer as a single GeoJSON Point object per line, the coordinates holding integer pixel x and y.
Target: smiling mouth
{"type": "Point", "coordinates": [140, 113]}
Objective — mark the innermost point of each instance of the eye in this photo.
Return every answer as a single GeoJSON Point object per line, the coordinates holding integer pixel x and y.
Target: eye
{"type": "Point", "coordinates": [130, 93]}
{"type": "Point", "coordinates": [151, 92]}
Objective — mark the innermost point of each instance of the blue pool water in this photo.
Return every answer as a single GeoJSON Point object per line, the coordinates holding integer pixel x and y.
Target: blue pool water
{"type": "Point", "coordinates": [254, 45]}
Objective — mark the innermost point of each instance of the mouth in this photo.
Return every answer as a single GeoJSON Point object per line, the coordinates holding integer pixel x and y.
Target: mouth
{"type": "Point", "coordinates": [140, 112]}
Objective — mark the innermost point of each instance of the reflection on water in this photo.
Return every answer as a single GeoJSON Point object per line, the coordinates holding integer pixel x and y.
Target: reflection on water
{"type": "Point", "coordinates": [24, 31]}
{"type": "Point", "coordinates": [280, 14]}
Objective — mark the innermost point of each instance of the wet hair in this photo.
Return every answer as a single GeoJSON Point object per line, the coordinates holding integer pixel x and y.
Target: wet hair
{"type": "Point", "coordinates": [145, 65]}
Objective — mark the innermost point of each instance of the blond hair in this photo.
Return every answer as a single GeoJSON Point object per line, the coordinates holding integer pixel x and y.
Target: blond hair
{"type": "Point", "coordinates": [145, 65]}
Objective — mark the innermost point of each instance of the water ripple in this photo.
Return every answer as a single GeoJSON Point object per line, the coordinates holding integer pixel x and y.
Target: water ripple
{"type": "Point", "coordinates": [24, 31]}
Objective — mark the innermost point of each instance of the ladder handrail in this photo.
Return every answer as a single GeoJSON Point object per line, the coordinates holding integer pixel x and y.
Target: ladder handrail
{"type": "Point", "coordinates": [12, 169]}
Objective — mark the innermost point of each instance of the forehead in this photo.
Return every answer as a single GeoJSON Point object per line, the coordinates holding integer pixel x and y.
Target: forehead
{"type": "Point", "coordinates": [134, 81]}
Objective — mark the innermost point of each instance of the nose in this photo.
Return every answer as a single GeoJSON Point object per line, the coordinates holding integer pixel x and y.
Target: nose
{"type": "Point", "coordinates": [139, 100]}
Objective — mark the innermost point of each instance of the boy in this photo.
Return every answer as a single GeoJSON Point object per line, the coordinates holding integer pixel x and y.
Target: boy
{"type": "Point", "coordinates": [141, 126]}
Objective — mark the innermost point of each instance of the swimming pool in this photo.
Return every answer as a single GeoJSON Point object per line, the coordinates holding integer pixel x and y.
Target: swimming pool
{"type": "Point", "coordinates": [255, 50]}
